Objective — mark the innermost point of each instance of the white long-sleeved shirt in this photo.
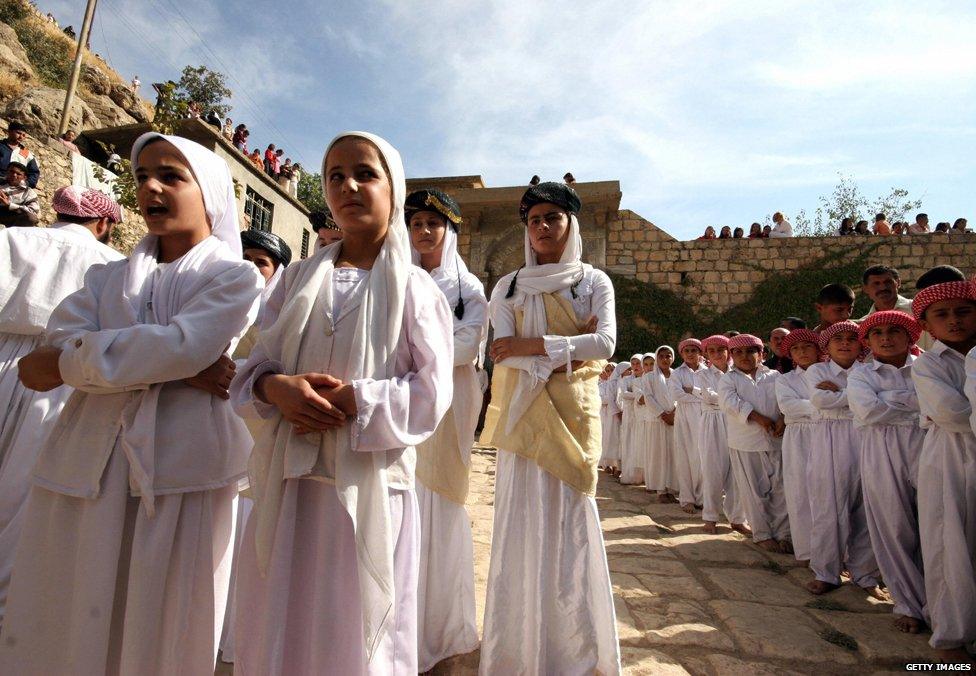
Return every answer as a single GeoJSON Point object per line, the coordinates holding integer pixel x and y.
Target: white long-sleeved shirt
{"type": "Point", "coordinates": [706, 388]}
{"type": "Point", "coordinates": [970, 387]}
{"type": "Point", "coordinates": [594, 296]}
{"type": "Point", "coordinates": [782, 229]}
{"type": "Point", "coordinates": [40, 267]}
{"type": "Point", "coordinates": [882, 394]}
{"type": "Point", "coordinates": [682, 377]}
{"type": "Point", "coordinates": [940, 381]}
{"type": "Point", "coordinates": [793, 397]}
{"type": "Point", "coordinates": [740, 395]}
{"type": "Point", "coordinates": [657, 395]}
{"type": "Point", "coordinates": [832, 405]}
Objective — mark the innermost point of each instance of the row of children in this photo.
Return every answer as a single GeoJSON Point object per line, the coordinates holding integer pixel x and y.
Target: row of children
{"type": "Point", "coordinates": [862, 458]}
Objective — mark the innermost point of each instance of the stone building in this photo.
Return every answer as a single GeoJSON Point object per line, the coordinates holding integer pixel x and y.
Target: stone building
{"type": "Point", "coordinates": [263, 204]}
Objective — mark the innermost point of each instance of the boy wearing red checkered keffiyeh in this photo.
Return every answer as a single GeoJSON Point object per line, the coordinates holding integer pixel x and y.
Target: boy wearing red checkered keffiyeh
{"type": "Point", "coordinates": [882, 396]}
{"type": "Point", "coordinates": [947, 465]}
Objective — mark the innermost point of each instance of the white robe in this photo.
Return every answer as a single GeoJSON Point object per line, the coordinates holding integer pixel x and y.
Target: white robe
{"type": "Point", "coordinates": [800, 416]}
{"type": "Point", "coordinates": [304, 615]}
{"type": "Point", "coordinates": [631, 451]}
{"type": "Point", "coordinates": [549, 608]}
{"type": "Point", "coordinates": [718, 483]}
{"type": "Point", "coordinates": [447, 624]}
{"type": "Point", "coordinates": [39, 267]}
{"type": "Point", "coordinates": [687, 426]}
{"type": "Point", "coordinates": [885, 408]}
{"type": "Point", "coordinates": [839, 532]}
{"type": "Point", "coordinates": [756, 454]}
{"type": "Point", "coordinates": [947, 496]}
{"type": "Point", "coordinates": [658, 457]}
{"type": "Point", "coordinates": [610, 425]}
{"type": "Point", "coordinates": [150, 591]}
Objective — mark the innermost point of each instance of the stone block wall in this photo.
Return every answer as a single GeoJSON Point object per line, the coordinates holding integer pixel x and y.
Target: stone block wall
{"type": "Point", "coordinates": [721, 274]}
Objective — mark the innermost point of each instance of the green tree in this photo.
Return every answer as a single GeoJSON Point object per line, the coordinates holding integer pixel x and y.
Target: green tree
{"type": "Point", "coordinates": [205, 87]}
{"type": "Point", "coordinates": [310, 192]}
{"type": "Point", "coordinates": [847, 201]}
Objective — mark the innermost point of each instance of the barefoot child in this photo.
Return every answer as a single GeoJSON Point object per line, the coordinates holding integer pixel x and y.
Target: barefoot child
{"type": "Point", "coordinates": [947, 466]}
{"type": "Point", "coordinates": [747, 395]}
{"type": "Point", "coordinates": [658, 459]}
{"type": "Point", "coordinates": [687, 422]}
{"type": "Point", "coordinates": [631, 453]}
{"type": "Point", "coordinates": [800, 416]}
{"type": "Point", "coordinates": [882, 396]}
{"type": "Point", "coordinates": [352, 371]}
{"type": "Point", "coordinates": [131, 512]}
{"type": "Point", "coordinates": [717, 478]}
{"type": "Point", "coordinates": [839, 531]}
{"type": "Point", "coordinates": [447, 624]}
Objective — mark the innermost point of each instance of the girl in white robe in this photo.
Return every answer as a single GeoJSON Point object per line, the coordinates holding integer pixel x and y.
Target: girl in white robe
{"type": "Point", "coordinates": [612, 433]}
{"type": "Point", "coordinates": [643, 413]}
{"type": "Point", "coordinates": [631, 452]}
{"type": "Point", "coordinates": [658, 463]}
{"type": "Point", "coordinates": [351, 372]}
{"type": "Point", "coordinates": [125, 554]}
{"type": "Point", "coordinates": [446, 621]}
{"type": "Point", "coordinates": [606, 416]}
{"type": "Point", "coordinates": [549, 608]}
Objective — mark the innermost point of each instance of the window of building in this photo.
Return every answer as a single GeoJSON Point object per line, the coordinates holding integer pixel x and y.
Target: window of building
{"type": "Point", "coordinates": [259, 210]}
{"type": "Point", "coordinates": [305, 239]}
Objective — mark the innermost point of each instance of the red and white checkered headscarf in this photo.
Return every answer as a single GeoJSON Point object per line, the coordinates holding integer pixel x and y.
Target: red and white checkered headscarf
{"type": "Point", "coordinates": [689, 342]}
{"type": "Point", "coordinates": [939, 292]}
{"type": "Point", "coordinates": [798, 336]}
{"type": "Point", "coordinates": [718, 339]}
{"type": "Point", "coordinates": [890, 318]}
{"type": "Point", "coordinates": [834, 329]}
{"type": "Point", "coordinates": [745, 340]}
{"type": "Point", "coordinates": [73, 200]}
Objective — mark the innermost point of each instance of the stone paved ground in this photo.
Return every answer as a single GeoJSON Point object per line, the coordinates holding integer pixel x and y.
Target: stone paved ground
{"type": "Point", "coordinates": [693, 603]}
{"type": "Point", "coordinates": [690, 603]}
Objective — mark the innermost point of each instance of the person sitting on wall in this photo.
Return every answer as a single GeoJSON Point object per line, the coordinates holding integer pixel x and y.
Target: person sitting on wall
{"type": "Point", "coordinates": [766, 230]}
{"type": "Point", "coordinates": [67, 139]}
{"type": "Point", "coordinates": [18, 201]}
{"type": "Point", "coordinates": [709, 233]}
{"type": "Point", "coordinates": [738, 233]}
{"type": "Point", "coordinates": [14, 150]}
{"type": "Point", "coordinates": [899, 228]}
{"type": "Point", "coordinates": [783, 228]}
{"type": "Point", "coordinates": [960, 226]}
{"type": "Point", "coordinates": [881, 226]}
{"type": "Point", "coordinates": [725, 232]}
{"type": "Point", "coordinates": [942, 227]}
{"type": "Point", "coordinates": [846, 227]}
{"type": "Point", "coordinates": [862, 228]}
{"type": "Point", "coordinates": [920, 226]}
{"type": "Point", "coordinates": [755, 231]}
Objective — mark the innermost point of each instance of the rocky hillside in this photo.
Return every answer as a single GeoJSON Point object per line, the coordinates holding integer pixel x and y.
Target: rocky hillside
{"type": "Point", "coordinates": [35, 61]}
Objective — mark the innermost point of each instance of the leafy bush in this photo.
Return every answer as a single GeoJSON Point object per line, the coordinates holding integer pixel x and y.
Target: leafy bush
{"type": "Point", "coordinates": [12, 11]}
{"type": "Point", "coordinates": [49, 52]}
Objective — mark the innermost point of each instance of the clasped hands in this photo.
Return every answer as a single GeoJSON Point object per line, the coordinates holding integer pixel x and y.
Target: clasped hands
{"type": "Point", "coordinates": [311, 402]}
{"type": "Point", "coordinates": [512, 346]}
{"type": "Point", "coordinates": [774, 427]}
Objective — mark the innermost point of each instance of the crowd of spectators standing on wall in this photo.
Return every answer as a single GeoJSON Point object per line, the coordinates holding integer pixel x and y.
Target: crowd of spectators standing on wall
{"type": "Point", "coordinates": [272, 162]}
{"type": "Point", "coordinates": [849, 227]}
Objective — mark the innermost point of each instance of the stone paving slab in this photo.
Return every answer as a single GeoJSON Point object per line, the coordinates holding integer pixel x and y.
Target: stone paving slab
{"type": "Point", "coordinates": [757, 585]}
{"type": "Point", "coordinates": [877, 640]}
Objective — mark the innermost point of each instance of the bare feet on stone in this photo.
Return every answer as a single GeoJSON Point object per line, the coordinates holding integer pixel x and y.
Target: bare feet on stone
{"type": "Point", "coordinates": [741, 528]}
{"type": "Point", "coordinates": [663, 498]}
{"type": "Point", "coordinates": [769, 545]}
{"type": "Point", "coordinates": [785, 546]}
{"type": "Point", "coordinates": [818, 587]}
{"type": "Point", "coordinates": [878, 593]}
{"type": "Point", "coordinates": [711, 528]}
{"type": "Point", "coordinates": [688, 509]}
{"type": "Point", "coordinates": [909, 625]}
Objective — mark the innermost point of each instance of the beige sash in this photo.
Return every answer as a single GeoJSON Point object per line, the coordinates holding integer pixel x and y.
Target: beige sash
{"type": "Point", "coordinates": [560, 431]}
{"type": "Point", "coordinates": [439, 465]}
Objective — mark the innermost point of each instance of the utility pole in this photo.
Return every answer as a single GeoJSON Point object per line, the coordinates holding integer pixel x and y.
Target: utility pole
{"type": "Point", "coordinates": [76, 69]}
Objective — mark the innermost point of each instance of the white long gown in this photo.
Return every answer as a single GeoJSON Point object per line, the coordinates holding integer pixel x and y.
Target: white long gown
{"type": "Point", "coordinates": [550, 606]}
{"type": "Point", "coordinates": [304, 616]}
{"type": "Point", "coordinates": [39, 267]}
{"type": "Point", "coordinates": [687, 425]}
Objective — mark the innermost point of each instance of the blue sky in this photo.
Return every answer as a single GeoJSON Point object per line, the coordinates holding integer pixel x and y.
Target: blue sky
{"type": "Point", "coordinates": [709, 113]}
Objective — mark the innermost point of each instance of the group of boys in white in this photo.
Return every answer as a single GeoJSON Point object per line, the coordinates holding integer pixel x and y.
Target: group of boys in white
{"type": "Point", "coordinates": [206, 448]}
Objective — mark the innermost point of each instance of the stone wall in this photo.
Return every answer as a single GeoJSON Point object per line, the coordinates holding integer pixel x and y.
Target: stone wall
{"type": "Point", "coordinates": [721, 274]}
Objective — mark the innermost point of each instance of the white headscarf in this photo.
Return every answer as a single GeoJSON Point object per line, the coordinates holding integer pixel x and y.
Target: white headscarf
{"type": "Point", "coordinates": [657, 369]}
{"type": "Point", "coordinates": [614, 383]}
{"type": "Point", "coordinates": [168, 291]}
{"type": "Point", "coordinates": [530, 283]}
